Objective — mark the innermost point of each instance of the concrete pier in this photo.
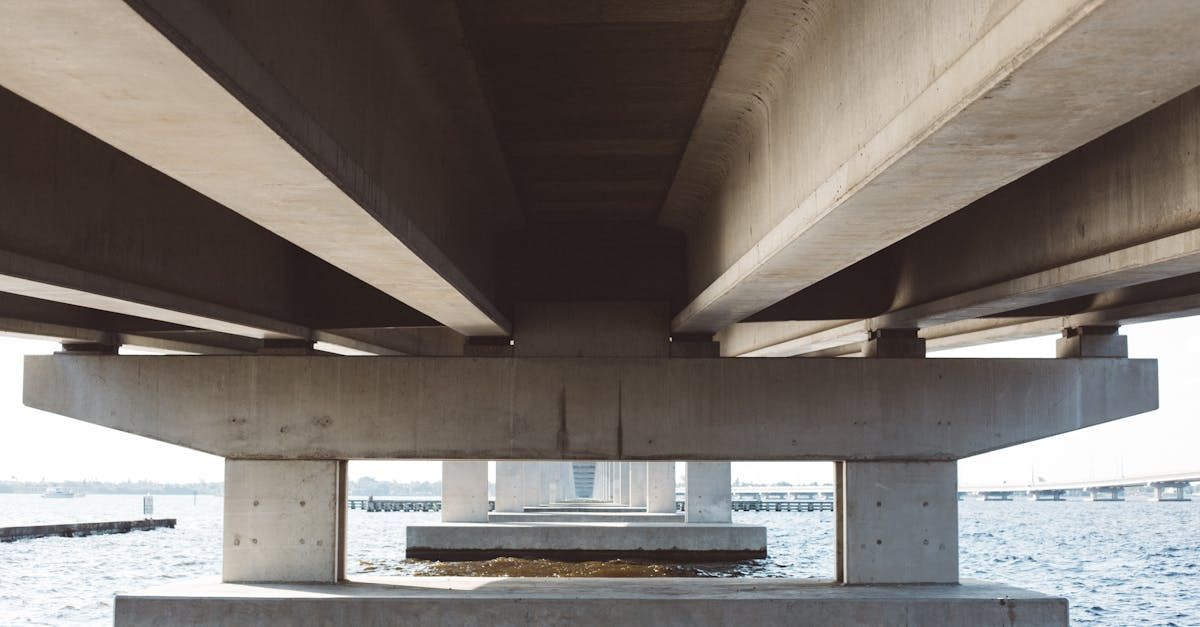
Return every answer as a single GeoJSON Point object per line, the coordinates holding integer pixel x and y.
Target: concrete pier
{"type": "Point", "coordinates": [284, 521]}
{"type": "Point", "coordinates": [708, 496]}
{"type": "Point", "coordinates": [565, 601]}
{"type": "Point", "coordinates": [76, 530]}
{"type": "Point", "coordinates": [464, 492]}
{"type": "Point", "coordinates": [688, 542]}
{"type": "Point", "coordinates": [660, 487]}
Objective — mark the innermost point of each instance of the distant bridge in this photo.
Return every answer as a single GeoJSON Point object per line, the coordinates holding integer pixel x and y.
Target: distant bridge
{"type": "Point", "coordinates": [1167, 487]}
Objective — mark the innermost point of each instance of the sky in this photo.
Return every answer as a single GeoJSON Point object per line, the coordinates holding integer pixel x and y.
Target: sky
{"type": "Point", "coordinates": [37, 446]}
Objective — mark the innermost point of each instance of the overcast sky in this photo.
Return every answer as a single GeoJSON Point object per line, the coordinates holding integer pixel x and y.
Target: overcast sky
{"type": "Point", "coordinates": [35, 445]}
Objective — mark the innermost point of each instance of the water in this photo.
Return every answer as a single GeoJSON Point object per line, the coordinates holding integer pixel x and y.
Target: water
{"type": "Point", "coordinates": [1130, 563]}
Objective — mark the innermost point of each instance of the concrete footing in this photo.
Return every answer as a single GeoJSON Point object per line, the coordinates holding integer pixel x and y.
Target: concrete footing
{"type": "Point", "coordinates": [562, 601]}
{"type": "Point", "coordinates": [584, 517]}
{"type": "Point", "coordinates": [578, 541]}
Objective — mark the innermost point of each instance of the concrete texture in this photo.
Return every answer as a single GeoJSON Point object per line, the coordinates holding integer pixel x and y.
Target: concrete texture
{"type": "Point", "coordinates": [464, 491]}
{"type": "Point", "coordinates": [900, 522]}
{"type": "Point", "coordinates": [509, 491]}
{"type": "Point", "coordinates": [583, 517]}
{"type": "Point", "coordinates": [595, 408]}
{"type": "Point", "coordinates": [708, 492]}
{"type": "Point", "coordinates": [660, 487]}
{"type": "Point", "coordinates": [519, 602]}
{"type": "Point", "coordinates": [284, 521]}
{"type": "Point", "coordinates": [637, 484]}
{"type": "Point", "coordinates": [73, 58]}
{"type": "Point", "coordinates": [669, 541]}
{"type": "Point", "coordinates": [979, 94]}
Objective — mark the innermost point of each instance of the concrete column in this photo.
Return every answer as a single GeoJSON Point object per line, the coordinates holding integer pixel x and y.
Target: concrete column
{"type": "Point", "coordinates": [284, 521]}
{"type": "Point", "coordinates": [900, 522]}
{"type": "Point", "coordinates": [660, 487]}
{"type": "Point", "coordinates": [531, 483]}
{"type": "Point", "coordinates": [510, 495]}
{"type": "Point", "coordinates": [637, 484]}
{"type": "Point", "coordinates": [708, 493]}
{"type": "Point", "coordinates": [464, 491]}
{"type": "Point", "coordinates": [549, 473]}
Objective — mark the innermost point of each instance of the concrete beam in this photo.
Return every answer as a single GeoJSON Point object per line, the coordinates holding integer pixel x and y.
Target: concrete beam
{"type": "Point", "coordinates": [949, 114]}
{"type": "Point", "coordinates": [90, 227]}
{"type": "Point", "coordinates": [225, 102]}
{"type": "Point", "coordinates": [596, 408]}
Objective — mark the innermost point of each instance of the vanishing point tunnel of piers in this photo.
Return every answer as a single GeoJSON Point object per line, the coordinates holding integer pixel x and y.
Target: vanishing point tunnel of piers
{"type": "Point", "coordinates": [591, 231]}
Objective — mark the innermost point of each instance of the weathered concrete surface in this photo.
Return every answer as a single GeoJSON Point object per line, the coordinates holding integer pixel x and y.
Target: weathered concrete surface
{"type": "Point", "coordinates": [637, 484]}
{"type": "Point", "coordinates": [598, 540]}
{"type": "Point", "coordinates": [826, 150]}
{"type": "Point", "coordinates": [75, 530]}
{"type": "Point", "coordinates": [284, 521]}
{"type": "Point", "coordinates": [583, 517]}
{"type": "Point", "coordinates": [708, 492]}
{"type": "Point", "coordinates": [549, 408]}
{"type": "Point", "coordinates": [464, 491]}
{"type": "Point", "coordinates": [1121, 211]}
{"type": "Point", "coordinates": [660, 487]}
{"type": "Point", "coordinates": [384, 201]}
{"type": "Point", "coordinates": [483, 602]}
{"type": "Point", "coordinates": [510, 495]}
{"type": "Point", "coordinates": [900, 522]}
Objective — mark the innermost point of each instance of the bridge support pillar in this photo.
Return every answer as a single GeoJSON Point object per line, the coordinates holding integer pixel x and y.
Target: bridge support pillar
{"type": "Point", "coordinates": [284, 521]}
{"type": "Point", "coordinates": [464, 491]}
{"type": "Point", "coordinates": [531, 483]}
{"type": "Point", "coordinates": [510, 494]}
{"type": "Point", "coordinates": [708, 493]}
{"type": "Point", "coordinates": [660, 487]}
{"type": "Point", "coordinates": [1092, 341]}
{"type": "Point", "coordinates": [899, 522]}
{"type": "Point", "coordinates": [1171, 491]}
{"type": "Point", "coordinates": [637, 484]}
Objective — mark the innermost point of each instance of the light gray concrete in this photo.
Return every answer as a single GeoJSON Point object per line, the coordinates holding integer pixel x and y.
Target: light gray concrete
{"type": "Point", "coordinates": [284, 521]}
{"type": "Point", "coordinates": [672, 541]}
{"type": "Point", "coordinates": [1094, 341]}
{"type": "Point", "coordinates": [464, 491]}
{"type": "Point", "coordinates": [531, 483]}
{"type": "Point", "coordinates": [637, 484]}
{"type": "Point", "coordinates": [597, 408]}
{"type": "Point", "coordinates": [774, 199]}
{"type": "Point", "coordinates": [709, 492]}
{"type": "Point", "coordinates": [900, 522]}
{"type": "Point", "coordinates": [440, 145]}
{"type": "Point", "coordinates": [510, 495]}
{"type": "Point", "coordinates": [660, 487]}
{"type": "Point", "coordinates": [583, 517]}
{"type": "Point", "coordinates": [484, 602]}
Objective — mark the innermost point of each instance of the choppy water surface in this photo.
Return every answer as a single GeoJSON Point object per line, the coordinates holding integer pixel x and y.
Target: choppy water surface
{"type": "Point", "coordinates": [1128, 563]}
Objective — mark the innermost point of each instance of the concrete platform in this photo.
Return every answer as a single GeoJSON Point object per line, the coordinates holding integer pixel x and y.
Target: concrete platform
{"type": "Point", "coordinates": [583, 517]}
{"type": "Point", "coordinates": [583, 508]}
{"type": "Point", "coordinates": [562, 601]}
{"type": "Point", "coordinates": [580, 541]}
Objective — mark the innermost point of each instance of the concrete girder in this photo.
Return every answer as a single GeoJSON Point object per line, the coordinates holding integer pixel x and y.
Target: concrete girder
{"type": "Point", "coordinates": [596, 408]}
{"type": "Point", "coordinates": [1145, 302]}
{"type": "Point", "coordinates": [104, 68]}
{"type": "Point", "coordinates": [93, 237]}
{"type": "Point", "coordinates": [817, 193]}
{"type": "Point", "coordinates": [1120, 212]}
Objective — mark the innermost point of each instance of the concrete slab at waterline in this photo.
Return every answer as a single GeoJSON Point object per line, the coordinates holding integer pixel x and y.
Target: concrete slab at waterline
{"type": "Point", "coordinates": [673, 541]}
{"type": "Point", "coordinates": [523, 601]}
{"type": "Point", "coordinates": [583, 517]}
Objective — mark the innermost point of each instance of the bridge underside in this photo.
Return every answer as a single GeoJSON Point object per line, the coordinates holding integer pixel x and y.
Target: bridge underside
{"type": "Point", "coordinates": [544, 230]}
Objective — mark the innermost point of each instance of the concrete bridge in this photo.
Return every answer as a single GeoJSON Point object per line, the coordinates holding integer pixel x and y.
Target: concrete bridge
{"type": "Point", "coordinates": [1170, 486]}
{"type": "Point", "coordinates": [542, 231]}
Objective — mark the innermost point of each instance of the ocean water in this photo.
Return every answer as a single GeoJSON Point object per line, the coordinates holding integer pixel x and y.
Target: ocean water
{"type": "Point", "coordinates": [1129, 563]}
